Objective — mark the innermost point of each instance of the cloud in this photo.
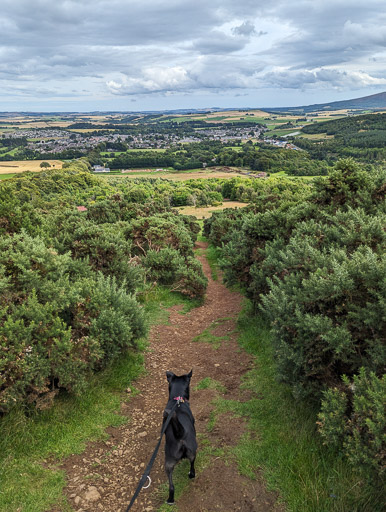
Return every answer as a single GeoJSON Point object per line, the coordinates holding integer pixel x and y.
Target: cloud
{"type": "Point", "coordinates": [217, 42]}
{"type": "Point", "coordinates": [323, 77]}
{"type": "Point", "coordinates": [247, 28]}
{"type": "Point", "coordinates": [120, 48]}
{"type": "Point", "coordinates": [159, 79]}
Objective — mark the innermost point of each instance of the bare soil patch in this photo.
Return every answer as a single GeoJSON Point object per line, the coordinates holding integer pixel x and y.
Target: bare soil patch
{"type": "Point", "coordinates": [105, 476]}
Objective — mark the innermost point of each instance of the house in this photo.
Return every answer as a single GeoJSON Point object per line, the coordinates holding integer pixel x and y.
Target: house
{"type": "Point", "coordinates": [100, 168]}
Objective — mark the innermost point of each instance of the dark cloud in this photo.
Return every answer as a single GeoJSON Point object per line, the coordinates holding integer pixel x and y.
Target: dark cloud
{"type": "Point", "coordinates": [247, 28]}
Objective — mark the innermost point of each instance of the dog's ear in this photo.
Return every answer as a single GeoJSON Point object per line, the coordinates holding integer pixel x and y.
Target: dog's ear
{"type": "Point", "coordinates": [189, 375]}
{"type": "Point", "coordinates": [169, 376]}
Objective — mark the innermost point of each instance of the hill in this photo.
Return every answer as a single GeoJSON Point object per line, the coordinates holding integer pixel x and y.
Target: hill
{"type": "Point", "coordinates": [373, 102]}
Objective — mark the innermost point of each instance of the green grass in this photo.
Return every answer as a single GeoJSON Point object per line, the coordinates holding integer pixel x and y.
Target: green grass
{"type": "Point", "coordinates": [32, 445]}
{"type": "Point", "coordinates": [11, 152]}
{"type": "Point", "coordinates": [279, 132]}
{"type": "Point", "coordinates": [282, 439]}
{"type": "Point", "coordinates": [158, 300]}
{"type": "Point", "coordinates": [207, 335]}
{"type": "Point", "coordinates": [6, 176]}
{"type": "Point", "coordinates": [213, 255]}
{"type": "Point", "coordinates": [28, 441]}
{"type": "Point", "coordinates": [209, 383]}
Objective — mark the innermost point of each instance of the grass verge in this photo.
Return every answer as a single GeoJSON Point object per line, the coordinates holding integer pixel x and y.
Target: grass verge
{"type": "Point", "coordinates": [308, 475]}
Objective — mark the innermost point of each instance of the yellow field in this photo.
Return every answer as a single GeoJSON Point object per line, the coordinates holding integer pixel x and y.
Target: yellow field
{"type": "Point", "coordinates": [86, 130]}
{"type": "Point", "coordinates": [204, 213]}
{"type": "Point", "coordinates": [18, 166]}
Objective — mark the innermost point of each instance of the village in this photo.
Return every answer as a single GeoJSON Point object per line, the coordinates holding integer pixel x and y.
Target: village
{"type": "Point", "coordinates": [52, 141]}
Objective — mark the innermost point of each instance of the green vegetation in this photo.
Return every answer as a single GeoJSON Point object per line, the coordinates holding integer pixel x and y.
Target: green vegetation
{"type": "Point", "coordinates": [312, 263]}
{"type": "Point", "coordinates": [209, 383]}
{"type": "Point", "coordinates": [308, 474]}
{"type": "Point", "coordinates": [70, 279]}
{"type": "Point", "coordinates": [362, 137]}
{"type": "Point", "coordinates": [60, 429]}
{"type": "Point", "coordinates": [208, 336]}
{"type": "Point", "coordinates": [86, 263]}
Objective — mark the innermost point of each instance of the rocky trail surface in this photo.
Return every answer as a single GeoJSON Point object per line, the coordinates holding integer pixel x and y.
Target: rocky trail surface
{"type": "Point", "coordinates": [105, 475]}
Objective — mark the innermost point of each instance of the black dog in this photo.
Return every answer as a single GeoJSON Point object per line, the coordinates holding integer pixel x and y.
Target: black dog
{"type": "Point", "coordinates": [180, 434]}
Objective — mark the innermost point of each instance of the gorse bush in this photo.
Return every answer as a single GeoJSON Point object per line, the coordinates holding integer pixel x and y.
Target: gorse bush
{"type": "Point", "coordinates": [327, 318]}
{"type": "Point", "coordinates": [68, 278]}
{"type": "Point", "coordinates": [353, 416]}
{"type": "Point", "coordinates": [58, 320]}
{"type": "Point", "coordinates": [315, 265]}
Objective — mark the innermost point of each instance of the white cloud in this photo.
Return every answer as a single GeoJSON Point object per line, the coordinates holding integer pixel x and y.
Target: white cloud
{"type": "Point", "coordinates": [157, 79]}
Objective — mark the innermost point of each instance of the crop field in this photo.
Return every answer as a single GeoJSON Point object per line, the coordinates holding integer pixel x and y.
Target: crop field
{"type": "Point", "coordinates": [17, 166]}
{"type": "Point", "coordinates": [316, 136]}
{"type": "Point", "coordinates": [182, 175]}
{"type": "Point", "coordinates": [205, 212]}
{"type": "Point", "coordinates": [87, 130]}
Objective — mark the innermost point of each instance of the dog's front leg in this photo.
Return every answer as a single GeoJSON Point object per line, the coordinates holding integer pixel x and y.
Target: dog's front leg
{"type": "Point", "coordinates": [169, 466]}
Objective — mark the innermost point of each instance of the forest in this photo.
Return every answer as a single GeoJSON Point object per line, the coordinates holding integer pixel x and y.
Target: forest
{"type": "Point", "coordinates": [361, 137]}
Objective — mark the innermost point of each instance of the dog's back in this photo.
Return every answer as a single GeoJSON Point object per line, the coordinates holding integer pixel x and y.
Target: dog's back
{"type": "Point", "coordinates": [180, 434]}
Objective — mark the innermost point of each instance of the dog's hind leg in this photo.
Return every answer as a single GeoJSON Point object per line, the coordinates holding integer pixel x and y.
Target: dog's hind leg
{"type": "Point", "coordinates": [192, 472]}
{"type": "Point", "coordinates": [169, 466]}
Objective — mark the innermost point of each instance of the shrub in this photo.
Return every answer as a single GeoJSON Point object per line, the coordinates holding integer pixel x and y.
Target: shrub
{"type": "Point", "coordinates": [315, 265]}
{"type": "Point", "coordinates": [167, 266]}
{"type": "Point", "coordinates": [326, 314]}
{"type": "Point", "coordinates": [163, 265]}
{"type": "Point", "coordinates": [190, 279]}
{"type": "Point", "coordinates": [159, 232]}
{"type": "Point", "coordinates": [353, 420]}
{"type": "Point", "coordinates": [58, 320]}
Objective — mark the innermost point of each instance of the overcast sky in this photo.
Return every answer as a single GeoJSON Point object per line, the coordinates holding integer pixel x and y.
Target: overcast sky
{"type": "Point", "coordinates": [84, 55]}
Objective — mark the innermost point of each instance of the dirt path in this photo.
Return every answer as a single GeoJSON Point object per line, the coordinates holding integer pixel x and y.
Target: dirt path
{"type": "Point", "coordinates": [104, 477]}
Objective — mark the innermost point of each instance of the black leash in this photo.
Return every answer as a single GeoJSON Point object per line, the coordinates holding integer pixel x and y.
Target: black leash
{"type": "Point", "coordinates": [153, 457]}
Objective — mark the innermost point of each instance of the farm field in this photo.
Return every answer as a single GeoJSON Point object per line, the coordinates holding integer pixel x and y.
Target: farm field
{"type": "Point", "coordinates": [17, 166]}
{"type": "Point", "coordinates": [6, 176]}
{"type": "Point", "coordinates": [259, 116]}
{"type": "Point", "coordinates": [206, 212]}
{"type": "Point", "coordinates": [181, 175]}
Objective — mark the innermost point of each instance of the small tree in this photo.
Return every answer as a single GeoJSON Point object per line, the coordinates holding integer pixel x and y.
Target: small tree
{"type": "Point", "coordinates": [45, 165]}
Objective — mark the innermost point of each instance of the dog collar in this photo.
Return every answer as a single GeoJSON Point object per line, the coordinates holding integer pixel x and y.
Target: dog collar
{"type": "Point", "coordinates": [179, 399]}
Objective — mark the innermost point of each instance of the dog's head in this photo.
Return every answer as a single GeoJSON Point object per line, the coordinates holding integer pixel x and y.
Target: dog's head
{"type": "Point", "coordinates": [179, 385]}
